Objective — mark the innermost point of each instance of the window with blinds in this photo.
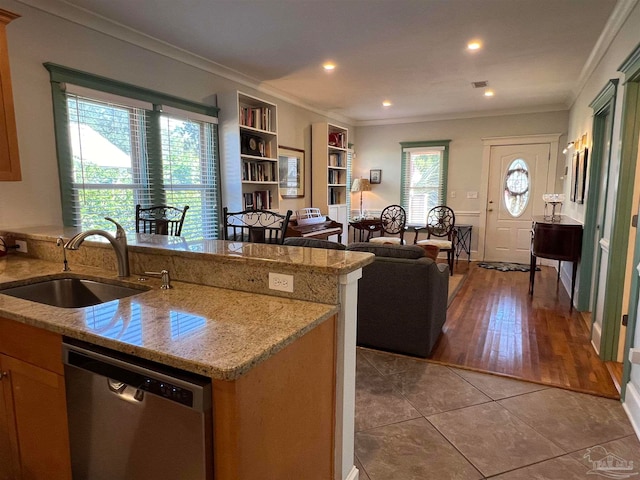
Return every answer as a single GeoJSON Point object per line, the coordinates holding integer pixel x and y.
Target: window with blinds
{"type": "Point", "coordinates": [116, 152]}
{"type": "Point", "coordinates": [423, 177]}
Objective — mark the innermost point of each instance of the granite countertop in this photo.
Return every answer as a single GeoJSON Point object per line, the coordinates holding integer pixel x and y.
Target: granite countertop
{"type": "Point", "coordinates": [333, 262]}
{"type": "Point", "coordinates": [212, 331]}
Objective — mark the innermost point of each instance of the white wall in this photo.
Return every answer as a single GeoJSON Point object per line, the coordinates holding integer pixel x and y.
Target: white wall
{"type": "Point", "coordinates": [379, 147]}
{"type": "Point", "coordinates": [37, 37]}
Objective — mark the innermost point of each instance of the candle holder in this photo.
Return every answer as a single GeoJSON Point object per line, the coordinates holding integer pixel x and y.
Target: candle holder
{"type": "Point", "coordinates": [552, 199]}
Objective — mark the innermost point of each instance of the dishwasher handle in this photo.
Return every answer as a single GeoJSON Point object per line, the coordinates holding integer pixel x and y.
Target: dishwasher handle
{"type": "Point", "coordinates": [194, 395]}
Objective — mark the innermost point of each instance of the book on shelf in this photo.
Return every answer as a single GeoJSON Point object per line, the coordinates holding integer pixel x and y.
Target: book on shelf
{"type": "Point", "coordinates": [259, 172]}
{"type": "Point", "coordinates": [335, 177]}
{"type": "Point", "coordinates": [262, 199]}
{"type": "Point", "coordinates": [256, 117]}
{"type": "Point", "coordinates": [335, 196]}
{"type": "Point", "coordinates": [248, 201]}
{"type": "Point", "coordinates": [335, 160]}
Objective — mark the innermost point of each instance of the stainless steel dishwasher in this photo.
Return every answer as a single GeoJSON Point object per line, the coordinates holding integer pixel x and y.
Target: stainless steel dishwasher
{"type": "Point", "coordinates": [135, 420]}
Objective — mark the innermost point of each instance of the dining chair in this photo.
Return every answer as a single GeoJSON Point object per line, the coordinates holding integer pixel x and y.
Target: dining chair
{"type": "Point", "coordinates": [441, 232]}
{"type": "Point", "coordinates": [257, 226]}
{"type": "Point", "coordinates": [160, 219]}
{"type": "Point", "coordinates": [393, 221]}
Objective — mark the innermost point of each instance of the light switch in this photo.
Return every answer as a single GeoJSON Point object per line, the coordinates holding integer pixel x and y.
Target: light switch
{"type": "Point", "coordinates": [453, 194]}
{"type": "Point", "coordinates": [472, 194]}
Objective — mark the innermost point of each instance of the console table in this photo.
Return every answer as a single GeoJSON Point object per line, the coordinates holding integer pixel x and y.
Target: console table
{"type": "Point", "coordinates": [560, 239]}
{"type": "Point", "coordinates": [368, 225]}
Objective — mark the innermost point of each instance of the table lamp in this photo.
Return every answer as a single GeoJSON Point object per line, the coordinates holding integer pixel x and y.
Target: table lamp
{"type": "Point", "coordinates": [360, 185]}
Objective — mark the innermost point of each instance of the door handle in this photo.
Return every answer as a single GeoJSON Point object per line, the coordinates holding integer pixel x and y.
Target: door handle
{"type": "Point", "coordinates": [3, 375]}
{"type": "Point", "coordinates": [490, 210]}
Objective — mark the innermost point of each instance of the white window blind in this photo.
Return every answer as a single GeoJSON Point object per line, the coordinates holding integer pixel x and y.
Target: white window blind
{"type": "Point", "coordinates": [423, 179]}
{"type": "Point", "coordinates": [123, 155]}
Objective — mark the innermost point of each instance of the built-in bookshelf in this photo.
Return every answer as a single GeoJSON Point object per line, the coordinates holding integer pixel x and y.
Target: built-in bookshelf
{"type": "Point", "coordinates": [248, 152]}
{"type": "Point", "coordinates": [329, 150]}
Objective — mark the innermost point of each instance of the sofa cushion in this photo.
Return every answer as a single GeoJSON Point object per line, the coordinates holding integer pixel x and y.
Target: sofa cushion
{"type": "Point", "coordinates": [313, 243]}
{"type": "Point", "coordinates": [385, 250]}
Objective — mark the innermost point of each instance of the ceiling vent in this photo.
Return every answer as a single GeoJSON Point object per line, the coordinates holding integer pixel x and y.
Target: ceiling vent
{"type": "Point", "coordinates": [482, 84]}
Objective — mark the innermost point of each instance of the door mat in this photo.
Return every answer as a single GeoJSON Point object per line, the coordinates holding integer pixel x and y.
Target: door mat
{"type": "Point", "coordinates": [506, 266]}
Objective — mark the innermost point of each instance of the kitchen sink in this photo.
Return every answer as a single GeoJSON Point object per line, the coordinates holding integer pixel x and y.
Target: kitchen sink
{"type": "Point", "coordinates": [70, 292]}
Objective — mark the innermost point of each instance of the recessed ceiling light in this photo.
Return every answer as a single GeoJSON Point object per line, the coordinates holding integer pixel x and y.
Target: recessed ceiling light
{"type": "Point", "coordinates": [386, 103]}
{"type": "Point", "coordinates": [474, 45]}
{"type": "Point", "coordinates": [489, 93]}
{"type": "Point", "coordinates": [329, 66]}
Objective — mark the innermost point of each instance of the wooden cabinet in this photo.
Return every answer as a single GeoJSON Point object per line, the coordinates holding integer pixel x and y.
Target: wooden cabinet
{"type": "Point", "coordinates": [278, 420]}
{"type": "Point", "coordinates": [33, 414]}
{"type": "Point", "coordinates": [331, 172]}
{"type": "Point", "coordinates": [9, 159]}
{"type": "Point", "coordinates": [248, 152]}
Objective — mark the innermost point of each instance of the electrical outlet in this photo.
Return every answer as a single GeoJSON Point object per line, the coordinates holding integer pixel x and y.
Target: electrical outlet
{"type": "Point", "coordinates": [453, 194]}
{"type": "Point", "coordinates": [22, 246]}
{"type": "Point", "coordinates": [281, 282]}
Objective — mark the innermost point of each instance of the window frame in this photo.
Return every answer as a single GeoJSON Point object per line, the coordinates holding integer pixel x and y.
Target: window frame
{"type": "Point", "coordinates": [155, 102]}
{"type": "Point", "coordinates": [405, 189]}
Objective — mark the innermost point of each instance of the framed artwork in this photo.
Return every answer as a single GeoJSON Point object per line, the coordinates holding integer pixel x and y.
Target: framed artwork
{"type": "Point", "coordinates": [581, 177]}
{"type": "Point", "coordinates": [574, 176]}
{"type": "Point", "coordinates": [375, 176]}
{"type": "Point", "coordinates": [291, 170]}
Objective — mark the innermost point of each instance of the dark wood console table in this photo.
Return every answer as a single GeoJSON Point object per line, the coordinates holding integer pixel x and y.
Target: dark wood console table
{"type": "Point", "coordinates": [560, 239]}
{"type": "Point", "coordinates": [364, 228]}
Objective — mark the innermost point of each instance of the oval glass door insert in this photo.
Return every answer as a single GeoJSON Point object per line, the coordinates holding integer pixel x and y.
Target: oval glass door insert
{"type": "Point", "coordinates": [516, 187]}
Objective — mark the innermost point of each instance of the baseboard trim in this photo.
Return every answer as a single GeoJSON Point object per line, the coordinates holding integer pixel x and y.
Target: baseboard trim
{"type": "Point", "coordinates": [631, 406]}
{"type": "Point", "coordinates": [596, 333]}
{"type": "Point", "coordinates": [354, 474]}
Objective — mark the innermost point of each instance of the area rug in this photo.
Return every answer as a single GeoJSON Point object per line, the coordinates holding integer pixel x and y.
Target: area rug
{"type": "Point", "coordinates": [455, 283]}
{"type": "Point", "coordinates": [506, 266]}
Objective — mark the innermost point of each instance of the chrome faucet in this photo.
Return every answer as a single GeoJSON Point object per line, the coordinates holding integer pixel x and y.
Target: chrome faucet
{"type": "Point", "coordinates": [65, 264]}
{"type": "Point", "coordinates": [119, 244]}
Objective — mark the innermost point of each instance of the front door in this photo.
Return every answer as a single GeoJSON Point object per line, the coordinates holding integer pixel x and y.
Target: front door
{"type": "Point", "coordinates": [518, 176]}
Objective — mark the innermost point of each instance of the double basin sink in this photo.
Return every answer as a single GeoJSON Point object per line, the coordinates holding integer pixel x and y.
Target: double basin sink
{"type": "Point", "coordinates": [70, 292]}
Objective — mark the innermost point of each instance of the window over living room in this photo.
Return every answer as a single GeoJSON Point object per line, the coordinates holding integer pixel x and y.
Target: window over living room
{"type": "Point", "coordinates": [423, 178]}
{"type": "Point", "coordinates": [117, 151]}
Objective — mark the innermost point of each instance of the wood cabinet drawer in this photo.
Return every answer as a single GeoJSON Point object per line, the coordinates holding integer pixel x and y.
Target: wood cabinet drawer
{"type": "Point", "coordinates": [31, 344]}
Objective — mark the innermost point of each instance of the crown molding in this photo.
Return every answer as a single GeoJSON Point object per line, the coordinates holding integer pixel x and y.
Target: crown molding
{"type": "Point", "coordinates": [105, 26]}
{"type": "Point", "coordinates": [464, 115]}
{"type": "Point", "coordinates": [616, 20]}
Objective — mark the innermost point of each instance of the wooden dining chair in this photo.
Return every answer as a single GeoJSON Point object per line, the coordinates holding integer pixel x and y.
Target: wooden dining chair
{"type": "Point", "coordinates": [256, 226]}
{"type": "Point", "coordinates": [393, 221]}
{"type": "Point", "coordinates": [160, 219]}
{"type": "Point", "coordinates": [441, 232]}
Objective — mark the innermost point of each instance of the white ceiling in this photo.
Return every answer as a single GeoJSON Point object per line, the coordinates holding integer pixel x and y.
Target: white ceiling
{"type": "Point", "coordinates": [412, 52]}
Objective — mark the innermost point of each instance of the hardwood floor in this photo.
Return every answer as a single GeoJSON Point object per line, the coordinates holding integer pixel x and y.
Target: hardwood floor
{"type": "Point", "coordinates": [494, 325]}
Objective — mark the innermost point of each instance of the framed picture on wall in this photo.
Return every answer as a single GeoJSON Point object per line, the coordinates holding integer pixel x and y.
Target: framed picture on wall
{"type": "Point", "coordinates": [581, 177]}
{"type": "Point", "coordinates": [375, 176]}
{"type": "Point", "coordinates": [575, 159]}
{"type": "Point", "coordinates": [291, 172]}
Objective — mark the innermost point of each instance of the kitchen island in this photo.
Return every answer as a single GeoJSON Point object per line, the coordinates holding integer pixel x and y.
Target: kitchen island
{"type": "Point", "coordinates": [282, 364]}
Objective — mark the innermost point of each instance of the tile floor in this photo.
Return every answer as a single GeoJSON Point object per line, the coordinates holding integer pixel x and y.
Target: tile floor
{"type": "Point", "coordinates": [423, 421]}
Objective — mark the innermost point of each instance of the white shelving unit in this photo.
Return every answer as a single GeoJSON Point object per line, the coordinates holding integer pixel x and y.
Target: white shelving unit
{"type": "Point", "coordinates": [331, 172]}
{"type": "Point", "coordinates": [248, 152]}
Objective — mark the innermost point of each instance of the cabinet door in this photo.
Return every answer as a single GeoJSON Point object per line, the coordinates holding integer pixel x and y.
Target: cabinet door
{"type": "Point", "coordinates": [8, 441]}
{"type": "Point", "coordinates": [37, 399]}
{"type": "Point", "coordinates": [339, 214]}
{"type": "Point", "coordinates": [9, 161]}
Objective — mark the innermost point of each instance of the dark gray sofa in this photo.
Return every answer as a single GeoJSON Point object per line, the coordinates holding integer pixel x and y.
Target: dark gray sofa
{"type": "Point", "coordinates": [402, 299]}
